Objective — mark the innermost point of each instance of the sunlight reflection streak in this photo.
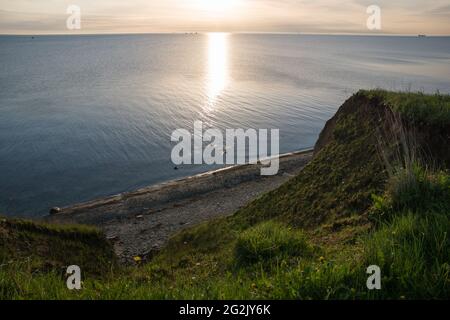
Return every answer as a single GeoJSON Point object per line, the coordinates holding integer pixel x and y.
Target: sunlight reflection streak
{"type": "Point", "coordinates": [217, 78]}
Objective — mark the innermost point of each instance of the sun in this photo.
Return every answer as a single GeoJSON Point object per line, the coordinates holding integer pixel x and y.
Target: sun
{"type": "Point", "coordinates": [217, 5]}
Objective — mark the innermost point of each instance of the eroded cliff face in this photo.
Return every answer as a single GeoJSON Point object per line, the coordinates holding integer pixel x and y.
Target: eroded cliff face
{"type": "Point", "coordinates": [350, 161]}
{"type": "Point", "coordinates": [345, 172]}
{"type": "Point", "coordinates": [429, 137]}
{"type": "Point", "coordinates": [357, 110]}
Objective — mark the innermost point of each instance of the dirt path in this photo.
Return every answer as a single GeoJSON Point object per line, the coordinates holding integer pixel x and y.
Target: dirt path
{"type": "Point", "coordinates": [141, 222]}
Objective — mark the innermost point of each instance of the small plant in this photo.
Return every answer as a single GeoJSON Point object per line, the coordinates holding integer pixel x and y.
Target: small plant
{"type": "Point", "coordinates": [270, 241]}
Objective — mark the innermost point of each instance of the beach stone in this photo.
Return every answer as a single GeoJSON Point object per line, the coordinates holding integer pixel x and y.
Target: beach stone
{"type": "Point", "coordinates": [55, 210]}
{"type": "Point", "coordinates": [112, 238]}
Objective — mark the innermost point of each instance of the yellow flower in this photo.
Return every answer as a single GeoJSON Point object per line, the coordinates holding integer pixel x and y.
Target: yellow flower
{"type": "Point", "coordinates": [321, 259]}
{"type": "Point", "coordinates": [137, 259]}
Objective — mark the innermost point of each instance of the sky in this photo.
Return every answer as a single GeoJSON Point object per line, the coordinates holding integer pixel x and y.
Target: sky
{"type": "Point", "coordinates": [430, 17]}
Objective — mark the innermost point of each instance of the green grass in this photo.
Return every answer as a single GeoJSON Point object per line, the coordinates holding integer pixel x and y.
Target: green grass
{"type": "Point", "coordinates": [271, 260]}
{"type": "Point", "coordinates": [269, 242]}
{"type": "Point", "coordinates": [416, 188]}
{"type": "Point", "coordinates": [41, 247]}
{"type": "Point", "coordinates": [417, 108]}
{"type": "Point", "coordinates": [413, 251]}
{"type": "Point", "coordinates": [313, 238]}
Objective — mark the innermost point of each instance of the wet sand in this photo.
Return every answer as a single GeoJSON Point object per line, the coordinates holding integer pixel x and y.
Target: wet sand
{"type": "Point", "coordinates": [139, 223]}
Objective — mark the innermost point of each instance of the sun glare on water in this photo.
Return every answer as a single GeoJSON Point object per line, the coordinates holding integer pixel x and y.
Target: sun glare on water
{"type": "Point", "coordinates": [217, 74]}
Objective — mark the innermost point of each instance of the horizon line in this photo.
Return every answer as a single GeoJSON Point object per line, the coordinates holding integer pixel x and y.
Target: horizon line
{"type": "Point", "coordinates": [231, 32]}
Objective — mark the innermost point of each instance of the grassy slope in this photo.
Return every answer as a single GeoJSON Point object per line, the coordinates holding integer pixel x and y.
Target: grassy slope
{"type": "Point", "coordinates": [323, 227]}
{"type": "Point", "coordinates": [43, 252]}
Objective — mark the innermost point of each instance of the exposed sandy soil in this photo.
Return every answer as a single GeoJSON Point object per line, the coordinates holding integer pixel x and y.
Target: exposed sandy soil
{"type": "Point", "coordinates": [141, 222]}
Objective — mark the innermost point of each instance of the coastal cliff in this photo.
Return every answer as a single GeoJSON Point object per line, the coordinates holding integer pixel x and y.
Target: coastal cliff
{"type": "Point", "coordinates": [377, 186]}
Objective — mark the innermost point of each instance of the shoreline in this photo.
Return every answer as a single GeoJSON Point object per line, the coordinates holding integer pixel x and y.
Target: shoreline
{"type": "Point", "coordinates": [240, 172]}
{"type": "Point", "coordinates": [140, 222]}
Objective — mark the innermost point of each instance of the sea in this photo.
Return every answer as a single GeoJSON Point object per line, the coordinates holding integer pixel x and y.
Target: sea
{"type": "Point", "coordinates": [88, 116]}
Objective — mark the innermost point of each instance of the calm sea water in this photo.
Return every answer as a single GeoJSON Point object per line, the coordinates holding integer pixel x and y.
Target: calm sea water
{"type": "Point", "coordinates": [88, 116]}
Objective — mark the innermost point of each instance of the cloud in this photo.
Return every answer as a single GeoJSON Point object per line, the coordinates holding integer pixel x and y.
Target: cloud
{"type": "Point", "coordinates": [401, 16]}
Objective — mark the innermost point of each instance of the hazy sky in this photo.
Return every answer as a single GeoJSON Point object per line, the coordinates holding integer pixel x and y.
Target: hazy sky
{"type": "Point", "coordinates": [309, 16]}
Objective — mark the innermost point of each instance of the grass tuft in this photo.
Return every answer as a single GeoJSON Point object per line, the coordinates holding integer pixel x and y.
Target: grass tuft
{"type": "Point", "coordinates": [270, 241]}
